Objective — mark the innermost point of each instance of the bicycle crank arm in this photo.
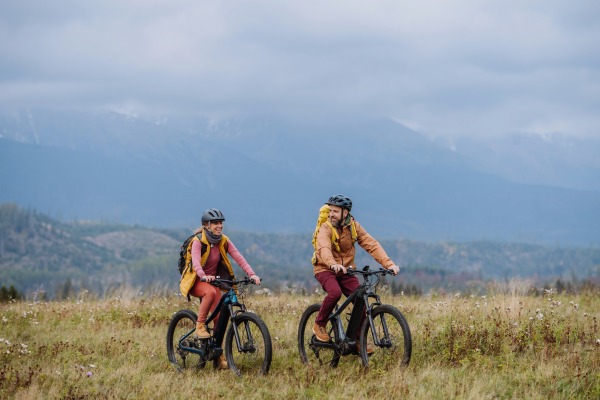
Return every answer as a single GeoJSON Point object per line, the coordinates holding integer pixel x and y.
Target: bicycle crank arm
{"type": "Point", "coordinates": [328, 345]}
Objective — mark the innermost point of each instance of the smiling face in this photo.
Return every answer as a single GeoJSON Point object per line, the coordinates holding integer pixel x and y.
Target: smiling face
{"type": "Point", "coordinates": [335, 214]}
{"type": "Point", "coordinates": [216, 227]}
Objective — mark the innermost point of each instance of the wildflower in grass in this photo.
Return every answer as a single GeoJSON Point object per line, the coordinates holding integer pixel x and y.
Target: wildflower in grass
{"type": "Point", "coordinates": [89, 373]}
{"type": "Point", "coordinates": [585, 314]}
{"type": "Point", "coordinates": [540, 316]}
{"type": "Point", "coordinates": [92, 366]}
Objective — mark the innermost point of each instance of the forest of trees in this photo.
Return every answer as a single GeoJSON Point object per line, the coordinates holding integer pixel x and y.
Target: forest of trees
{"type": "Point", "coordinates": [43, 254]}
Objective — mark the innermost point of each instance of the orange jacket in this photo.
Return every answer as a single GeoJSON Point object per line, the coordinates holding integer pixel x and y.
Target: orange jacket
{"type": "Point", "coordinates": [328, 256]}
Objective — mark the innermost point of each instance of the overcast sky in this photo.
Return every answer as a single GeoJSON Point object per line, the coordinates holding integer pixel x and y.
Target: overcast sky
{"type": "Point", "coordinates": [441, 67]}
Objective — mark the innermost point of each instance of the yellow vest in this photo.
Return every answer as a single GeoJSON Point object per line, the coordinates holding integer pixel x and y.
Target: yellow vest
{"type": "Point", "coordinates": [188, 277]}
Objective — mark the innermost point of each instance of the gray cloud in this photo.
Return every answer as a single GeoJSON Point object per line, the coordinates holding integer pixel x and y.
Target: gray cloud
{"type": "Point", "coordinates": [443, 67]}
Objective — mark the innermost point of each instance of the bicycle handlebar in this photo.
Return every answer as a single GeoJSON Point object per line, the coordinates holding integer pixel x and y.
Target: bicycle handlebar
{"type": "Point", "coordinates": [374, 272]}
{"type": "Point", "coordinates": [245, 281]}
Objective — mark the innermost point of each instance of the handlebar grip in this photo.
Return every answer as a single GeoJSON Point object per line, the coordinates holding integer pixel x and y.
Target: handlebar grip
{"type": "Point", "coordinates": [202, 280]}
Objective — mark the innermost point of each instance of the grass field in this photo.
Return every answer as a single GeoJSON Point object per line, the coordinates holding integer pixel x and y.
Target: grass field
{"type": "Point", "coordinates": [506, 345]}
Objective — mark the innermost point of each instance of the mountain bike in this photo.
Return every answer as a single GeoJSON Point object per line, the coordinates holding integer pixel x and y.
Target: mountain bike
{"type": "Point", "coordinates": [389, 332]}
{"type": "Point", "coordinates": [248, 347]}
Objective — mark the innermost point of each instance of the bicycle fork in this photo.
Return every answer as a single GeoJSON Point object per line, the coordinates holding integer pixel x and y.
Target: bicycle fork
{"type": "Point", "coordinates": [386, 341]}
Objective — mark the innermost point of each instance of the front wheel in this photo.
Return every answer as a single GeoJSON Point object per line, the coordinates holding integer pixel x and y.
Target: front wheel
{"type": "Point", "coordinates": [254, 355]}
{"type": "Point", "coordinates": [393, 334]}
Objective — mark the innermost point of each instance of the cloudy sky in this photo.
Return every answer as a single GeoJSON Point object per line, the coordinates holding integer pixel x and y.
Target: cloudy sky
{"type": "Point", "coordinates": [442, 67]}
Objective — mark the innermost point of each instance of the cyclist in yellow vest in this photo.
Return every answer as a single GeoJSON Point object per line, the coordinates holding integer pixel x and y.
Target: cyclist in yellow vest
{"type": "Point", "coordinates": [209, 259]}
{"type": "Point", "coordinates": [333, 261]}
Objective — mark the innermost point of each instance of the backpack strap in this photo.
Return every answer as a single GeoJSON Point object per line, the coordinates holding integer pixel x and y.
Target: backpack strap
{"type": "Point", "coordinates": [334, 236]}
{"type": "Point", "coordinates": [354, 233]}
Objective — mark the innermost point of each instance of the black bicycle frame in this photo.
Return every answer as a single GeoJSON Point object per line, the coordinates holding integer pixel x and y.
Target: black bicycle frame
{"type": "Point", "coordinates": [225, 311]}
{"type": "Point", "coordinates": [360, 297]}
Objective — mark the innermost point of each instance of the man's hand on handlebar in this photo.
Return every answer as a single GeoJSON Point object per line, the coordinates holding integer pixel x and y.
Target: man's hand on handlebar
{"type": "Point", "coordinates": [395, 269]}
{"type": "Point", "coordinates": [337, 268]}
{"type": "Point", "coordinates": [256, 279]}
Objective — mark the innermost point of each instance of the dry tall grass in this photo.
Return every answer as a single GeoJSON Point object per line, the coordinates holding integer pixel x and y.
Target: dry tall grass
{"type": "Point", "coordinates": [503, 345]}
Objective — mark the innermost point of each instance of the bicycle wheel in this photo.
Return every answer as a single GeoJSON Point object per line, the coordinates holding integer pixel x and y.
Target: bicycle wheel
{"type": "Point", "coordinates": [256, 351]}
{"type": "Point", "coordinates": [393, 333]}
{"type": "Point", "coordinates": [310, 354]}
{"type": "Point", "coordinates": [181, 324]}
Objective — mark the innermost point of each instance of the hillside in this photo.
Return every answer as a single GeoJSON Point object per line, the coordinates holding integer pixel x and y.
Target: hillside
{"type": "Point", "coordinates": [39, 252]}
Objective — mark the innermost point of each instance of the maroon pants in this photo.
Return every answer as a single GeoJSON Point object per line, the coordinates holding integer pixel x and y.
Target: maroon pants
{"type": "Point", "coordinates": [335, 284]}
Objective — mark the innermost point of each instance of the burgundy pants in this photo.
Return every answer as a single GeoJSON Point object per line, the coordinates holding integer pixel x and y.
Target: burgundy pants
{"type": "Point", "coordinates": [336, 284]}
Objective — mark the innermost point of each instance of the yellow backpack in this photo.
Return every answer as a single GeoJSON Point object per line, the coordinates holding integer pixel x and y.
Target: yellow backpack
{"type": "Point", "coordinates": [323, 218]}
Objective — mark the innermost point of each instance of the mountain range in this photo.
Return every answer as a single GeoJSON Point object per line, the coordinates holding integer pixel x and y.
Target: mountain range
{"type": "Point", "coordinates": [271, 175]}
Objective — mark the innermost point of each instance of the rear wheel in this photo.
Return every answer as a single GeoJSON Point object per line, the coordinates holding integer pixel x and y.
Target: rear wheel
{"type": "Point", "coordinates": [254, 357]}
{"type": "Point", "coordinates": [182, 323]}
{"type": "Point", "coordinates": [395, 343]}
{"type": "Point", "coordinates": [309, 353]}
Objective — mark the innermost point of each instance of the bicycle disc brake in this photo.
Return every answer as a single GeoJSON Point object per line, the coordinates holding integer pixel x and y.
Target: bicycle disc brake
{"type": "Point", "coordinates": [390, 346]}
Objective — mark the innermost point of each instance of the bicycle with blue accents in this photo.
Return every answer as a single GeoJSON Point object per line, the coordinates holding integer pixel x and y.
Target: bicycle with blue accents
{"type": "Point", "coordinates": [247, 346]}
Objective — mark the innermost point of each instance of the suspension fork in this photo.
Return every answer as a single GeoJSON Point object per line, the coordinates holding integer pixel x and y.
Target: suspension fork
{"type": "Point", "coordinates": [236, 333]}
{"type": "Point", "coordinates": [370, 317]}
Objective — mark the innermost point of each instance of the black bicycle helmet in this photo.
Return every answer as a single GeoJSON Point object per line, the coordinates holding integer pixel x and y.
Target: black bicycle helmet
{"type": "Point", "coordinates": [212, 215]}
{"type": "Point", "coordinates": [341, 201]}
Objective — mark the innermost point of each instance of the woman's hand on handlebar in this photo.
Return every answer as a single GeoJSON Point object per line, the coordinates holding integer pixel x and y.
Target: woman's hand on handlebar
{"type": "Point", "coordinates": [209, 278]}
{"type": "Point", "coordinates": [256, 279]}
{"type": "Point", "coordinates": [337, 268]}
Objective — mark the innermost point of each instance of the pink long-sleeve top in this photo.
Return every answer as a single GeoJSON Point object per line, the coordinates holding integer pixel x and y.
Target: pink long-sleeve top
{"type": "Point", "coordinates": [210, 268]}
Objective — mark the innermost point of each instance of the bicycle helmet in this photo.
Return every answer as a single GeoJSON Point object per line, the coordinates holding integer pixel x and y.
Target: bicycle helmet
{"type": "Point", "coordinates": [212, 215]}
{"type": "Point", "coordinates": [341, 201]}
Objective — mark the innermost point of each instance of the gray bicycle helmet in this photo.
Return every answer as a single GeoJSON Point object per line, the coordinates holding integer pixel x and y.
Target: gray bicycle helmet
{"type": "Point", "coordinates": [341, 201]}
{"type": "Point", "coordinates": [212, 215]}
